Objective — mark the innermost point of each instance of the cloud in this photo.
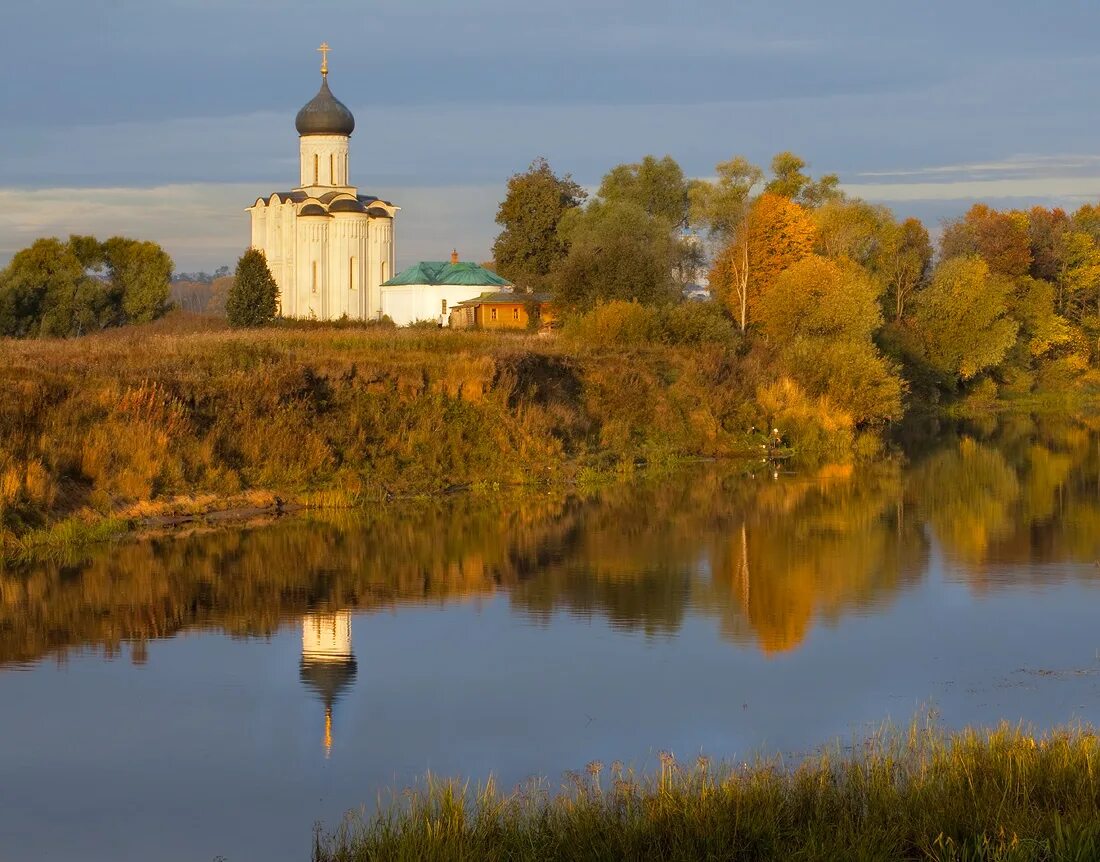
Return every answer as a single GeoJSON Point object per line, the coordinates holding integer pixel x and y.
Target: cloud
{"type": "Point", "coordinates": [205, 225]}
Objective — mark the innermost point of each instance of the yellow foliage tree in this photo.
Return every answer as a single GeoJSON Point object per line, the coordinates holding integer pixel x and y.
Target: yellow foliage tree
{"type": "Point", "coordinates": [776, 233]}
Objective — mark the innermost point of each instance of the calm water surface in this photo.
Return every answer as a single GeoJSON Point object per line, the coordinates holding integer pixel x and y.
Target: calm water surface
{"type": "Point", "coordinates": [215, 694]}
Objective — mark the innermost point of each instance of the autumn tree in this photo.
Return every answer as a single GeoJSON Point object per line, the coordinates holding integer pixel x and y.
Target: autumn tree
{"type": "Point", "coordinates": [253, 296]}
{"type": "Point", "coordinates": [529, 244]}
{"type": "Point", "coordinates": [820, 298]}
{"type": "Point", "coordinates": [903, 262]}
{"type": "Point", "coordinates": [960, 323]}
{"type": "Point", "coordinates": [1001, 239]}
{"type": "Point", "coordinates": [774, 234]}
{"type": "Point", "coordinates": [819, 316]}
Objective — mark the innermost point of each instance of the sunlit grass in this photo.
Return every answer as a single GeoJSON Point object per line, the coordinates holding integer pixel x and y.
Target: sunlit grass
{"type": "Point", "coordinates": [1007, 794]}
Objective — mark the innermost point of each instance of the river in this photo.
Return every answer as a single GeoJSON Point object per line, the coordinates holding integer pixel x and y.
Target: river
{"type": "Point", "coordinates": [214, 694]}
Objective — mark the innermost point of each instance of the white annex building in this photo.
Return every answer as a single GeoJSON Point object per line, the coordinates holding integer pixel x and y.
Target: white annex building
{"type": "Point", "coordinates": [329, 247]}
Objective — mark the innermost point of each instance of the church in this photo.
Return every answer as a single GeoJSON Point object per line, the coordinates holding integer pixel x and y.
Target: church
{"type": "Point", "coordinates": [329, 247]}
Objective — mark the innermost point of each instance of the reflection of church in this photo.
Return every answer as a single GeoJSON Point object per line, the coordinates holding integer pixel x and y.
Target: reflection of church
{"type": "Point", "coordinates": [328, 665]}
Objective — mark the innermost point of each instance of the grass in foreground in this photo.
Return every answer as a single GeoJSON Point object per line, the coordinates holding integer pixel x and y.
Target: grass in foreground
{"type": "Point", "coordinates": [925, 794]}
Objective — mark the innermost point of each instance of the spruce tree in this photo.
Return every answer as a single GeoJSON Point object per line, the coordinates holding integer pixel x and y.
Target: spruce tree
{"type": "Point", "coordinates": [252, 299]}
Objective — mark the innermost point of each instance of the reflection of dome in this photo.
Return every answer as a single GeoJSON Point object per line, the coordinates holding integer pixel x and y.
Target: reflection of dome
{"type": "Point", "coordinates": [324, 114]}
{"type": "Point", "coordinates": [328, 679]}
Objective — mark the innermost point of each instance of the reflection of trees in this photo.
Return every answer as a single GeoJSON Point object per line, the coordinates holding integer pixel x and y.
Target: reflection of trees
{"type": "Point", "coordinates": [1012, 495]}
{"type": "Point", "coordinates": [814, 547]}
{"type": "Point", "coordinates": [778, 554]}
{"type": "Point", "coordinates": [249, 582]}
{"type": "Point", "coordinates": [768, 559]}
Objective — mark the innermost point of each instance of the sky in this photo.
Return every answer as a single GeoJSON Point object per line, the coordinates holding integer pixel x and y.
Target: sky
{"type": "Point", "coordinates": [164, 119]}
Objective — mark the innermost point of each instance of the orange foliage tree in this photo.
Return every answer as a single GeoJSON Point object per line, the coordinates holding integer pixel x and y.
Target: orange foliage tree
{"type": "Point", "coordinates": [775, 234]}
{"type": "Point", "coordinates": [1001, 239]}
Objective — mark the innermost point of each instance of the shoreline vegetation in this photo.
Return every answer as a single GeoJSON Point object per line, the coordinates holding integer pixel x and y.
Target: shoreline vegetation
{"type": "Point", "coordinates": [924, 793]}
{"type": "Point", "coordinates": [830, 322]}
{"type": "Point", "coordinates": [185, 420]}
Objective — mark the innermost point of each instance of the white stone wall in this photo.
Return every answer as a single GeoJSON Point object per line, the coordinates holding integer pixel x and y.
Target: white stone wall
{"type": "Point", "coordinates": [324, 162]}
{"type": "Point", "coordinates": [409, 303]}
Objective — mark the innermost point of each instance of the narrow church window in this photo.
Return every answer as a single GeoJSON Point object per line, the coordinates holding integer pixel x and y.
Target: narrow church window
{"type": "Point", "coordinates": [331, 169]}
{"type": "Point", "coordinates": [316, 169]}
{"type": "Point", "coordinates": [383, 270]}
{"type": "Point", "coordinates": [314, 279]}
{"type": "Point", "coordinates": [353, 273]}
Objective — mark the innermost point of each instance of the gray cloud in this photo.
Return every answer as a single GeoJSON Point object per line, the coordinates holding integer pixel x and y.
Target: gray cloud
{"type": "Point", "coordinates": [192, 102]}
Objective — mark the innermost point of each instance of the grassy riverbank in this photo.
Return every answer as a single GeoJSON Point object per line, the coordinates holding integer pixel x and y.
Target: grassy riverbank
{"type": "Point", "coordinates": [925, 794]}
{"type": "Point", "coordinates": [186, 417]}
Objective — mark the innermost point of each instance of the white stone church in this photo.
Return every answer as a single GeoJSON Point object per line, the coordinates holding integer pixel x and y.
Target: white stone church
{"type": "Point", "coordinates": [329, 247]}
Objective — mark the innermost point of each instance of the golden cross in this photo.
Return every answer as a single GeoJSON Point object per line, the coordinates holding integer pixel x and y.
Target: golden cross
{"type": "Point", "coordinates": [324, 49]}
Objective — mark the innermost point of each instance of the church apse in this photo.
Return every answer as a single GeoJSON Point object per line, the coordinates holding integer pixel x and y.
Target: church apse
{"type": "Point", "coordinates": [328, 667]}
{"type": "Point", "coordinates": [328, 246]}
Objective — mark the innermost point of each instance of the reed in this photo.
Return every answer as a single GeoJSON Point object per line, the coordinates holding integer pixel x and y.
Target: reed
{"type": "Point", "coordinates": [917, 794]}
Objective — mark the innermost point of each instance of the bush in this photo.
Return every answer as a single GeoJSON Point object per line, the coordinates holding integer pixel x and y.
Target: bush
{"type": "Point", "coordinates": [615, 324]}
{"type": "Point", "coordinates": [698, 323]}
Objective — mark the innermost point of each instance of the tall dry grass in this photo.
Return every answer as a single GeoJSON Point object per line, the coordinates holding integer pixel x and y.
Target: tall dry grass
{"type": "Point", "coordinates": [152, 418]}
{"type": "Point", "coordinates": [925, 794]}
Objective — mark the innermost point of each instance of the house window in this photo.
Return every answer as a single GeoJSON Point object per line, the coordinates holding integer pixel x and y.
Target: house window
{"type": "Point", "coordinates": [515, 314]}
{"type": "Point", "coordinates": [353, 273]}
{"type": "Point", "coordinates": [492, 314]}
{"type": "Point", "coordinates": [444, 307]}
{"type": "Point", "coordinates": [313, 279]}
{"type": "Point", "coordinates": [316, 169]}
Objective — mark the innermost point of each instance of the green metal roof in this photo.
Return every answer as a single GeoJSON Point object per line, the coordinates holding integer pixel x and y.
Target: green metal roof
{"type": "Point", "coordinates": [444, 272]}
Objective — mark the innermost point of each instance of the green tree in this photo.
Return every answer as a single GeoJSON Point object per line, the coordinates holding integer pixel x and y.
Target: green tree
{"type": "Point", "coordinates": [140, 271]}
{"type": "Point", "coordinates": [616, 251]}
{"type": "Point", "coordinates": [658, 186]}
{"type": "Point", "coordinates": [721, 205]}
{"type": "Point", "coordinates": [45, 291]}
{"type": "Point", "coordinates": [529, 245]}
{"type": "Point", "coordinates": [253, 297]}
{"type": "Point", "coordinates": [960, 324]}
{"type": "Point", "coordinates": [789, 181]}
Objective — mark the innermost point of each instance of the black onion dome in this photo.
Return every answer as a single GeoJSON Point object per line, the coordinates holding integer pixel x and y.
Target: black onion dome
{"type": "Point", "coordinates": [324, 114]}
{"type": "Point", "coordinates": [346, 205]}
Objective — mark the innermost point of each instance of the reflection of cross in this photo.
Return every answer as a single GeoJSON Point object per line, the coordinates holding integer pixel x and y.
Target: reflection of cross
{"type": "Point", "coordinates": [324, 49]}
